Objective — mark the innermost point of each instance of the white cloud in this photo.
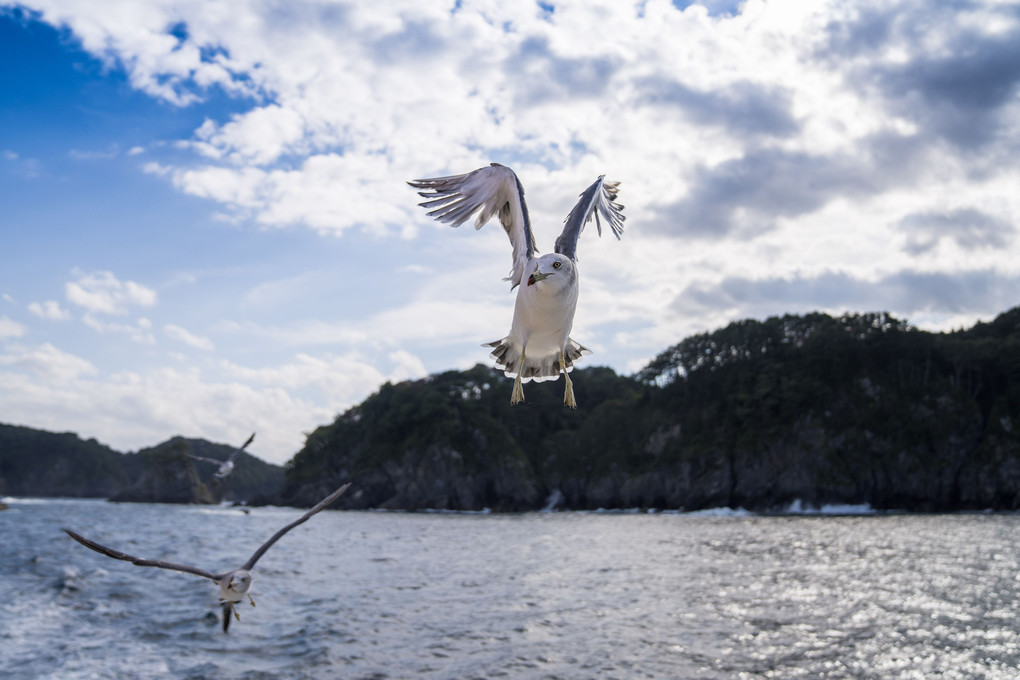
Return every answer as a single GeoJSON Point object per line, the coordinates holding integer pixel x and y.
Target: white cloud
{"type": "Point", "coordinates": [181, 335]}
{"type": "Point", "coordinates": [734, 105]}
{"type": "Point", "coordinates": [774, 156]}
{"type": "Point", "coordinates": [139, 332]}
{"type": "Point", "coordinates": [10, 328]}
{"type": "Point", "coordinates": [340, 381]}
{"type": "Point", "coordinates": [47, 362]}
{"type": "Point", "coordinates": [103, 293]}
{"type": "Point", "coordinates": [406, 366]}
{"type": "Point", "coordinates": [50, 309]}
{"type": "Point", "coordinates": [49, 389]}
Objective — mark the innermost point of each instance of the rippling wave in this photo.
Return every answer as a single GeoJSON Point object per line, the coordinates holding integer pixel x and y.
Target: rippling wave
{"type": "Point", "coordinates": [368, 595]}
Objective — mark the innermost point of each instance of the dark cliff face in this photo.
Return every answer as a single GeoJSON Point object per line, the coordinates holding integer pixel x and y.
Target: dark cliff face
{"type": "Point", "coordinates": [851, 410]}
{"type": "Point", "coordinates": [422, 444]}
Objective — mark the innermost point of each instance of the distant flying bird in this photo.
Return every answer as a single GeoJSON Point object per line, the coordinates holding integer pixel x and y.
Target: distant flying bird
{"type": "Point", "coordinates": [538, 346]}
{"type": "Point", "coordinates": [234, 584]}
{"type": "Point", "coordinates": [226, 466]}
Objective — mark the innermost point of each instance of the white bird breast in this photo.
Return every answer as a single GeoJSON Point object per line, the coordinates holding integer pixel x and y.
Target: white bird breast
{"type": "Point", "coordinates": [544, 310]}
{"type": "Point", "coordinates": [241, 584]}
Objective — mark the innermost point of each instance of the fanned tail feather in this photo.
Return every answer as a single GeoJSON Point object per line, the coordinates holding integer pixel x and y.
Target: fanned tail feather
{"type": "Point", "coordinates": [538, 369]}
{"type": "Point", "coordinates": [228, 610]}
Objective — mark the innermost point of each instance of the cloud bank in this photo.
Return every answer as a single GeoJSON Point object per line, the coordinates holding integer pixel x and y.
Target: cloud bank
{"type": "Point", "coordinates": [775, 156]}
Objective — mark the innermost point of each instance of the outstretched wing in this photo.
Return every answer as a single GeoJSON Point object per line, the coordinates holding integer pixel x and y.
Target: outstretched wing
{"type": "Point", "coordinates": [117, 555]}
{"type": "Point", "coordinates": [304, 518]}
{"type": "Point", "coordinates": [236, 452]}
{"type": "Point", "coordinates": [599, 200]}
{"type": "Point", "coordinates": [490, 191]}
{"type": "Point", "coordinates": [206, 460]}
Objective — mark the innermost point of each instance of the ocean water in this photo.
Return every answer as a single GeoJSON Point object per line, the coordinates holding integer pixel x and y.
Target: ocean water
{"type": "Point", "coordinates": [370, 595]}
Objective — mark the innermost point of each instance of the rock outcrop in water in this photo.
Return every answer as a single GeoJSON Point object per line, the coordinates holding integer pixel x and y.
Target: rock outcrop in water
{"type": "Point", "coordinates": [169, 476]}
{"type": "Point", "coordinates": [861, 409]}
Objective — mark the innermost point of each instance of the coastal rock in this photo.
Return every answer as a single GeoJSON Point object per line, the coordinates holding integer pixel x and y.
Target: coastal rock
{"type": "Point", "coordinates": [169, 477]}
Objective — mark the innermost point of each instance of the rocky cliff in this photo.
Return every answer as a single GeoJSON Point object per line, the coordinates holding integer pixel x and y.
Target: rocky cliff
{"type": "Point", "coordinates": [168, 476]}
{"type": "Point", "coordinates": [851, 410]}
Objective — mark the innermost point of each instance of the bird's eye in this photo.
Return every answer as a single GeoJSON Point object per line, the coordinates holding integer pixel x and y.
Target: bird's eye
{"type": "Point", "coordinates": [557, 265]}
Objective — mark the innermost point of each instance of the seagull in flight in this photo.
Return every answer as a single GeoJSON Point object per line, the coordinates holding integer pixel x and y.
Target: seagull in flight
{"type": "Point", "coordinates": [539, 346]}
{"type": "Point", "coordinates": [226, 466]}
{"type": "Point", "coordinates": [234, 585]}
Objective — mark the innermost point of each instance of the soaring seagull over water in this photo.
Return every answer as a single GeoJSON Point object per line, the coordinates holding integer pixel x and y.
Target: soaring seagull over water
{"type": "Point", "coordinates": [226, 466]}
{"type": "Point", "coordinates": [539, 346]}
{"type": "Point", "coordinates": [234, 585]}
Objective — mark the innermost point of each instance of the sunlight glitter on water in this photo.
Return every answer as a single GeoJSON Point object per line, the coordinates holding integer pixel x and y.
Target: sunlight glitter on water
{"type": "Point", "coordinates": [554, 595]}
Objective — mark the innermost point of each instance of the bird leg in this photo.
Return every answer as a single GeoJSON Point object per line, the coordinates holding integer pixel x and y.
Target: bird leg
{"type": "Point", "coordinates": [568, 391]}
{"type": "Point", "coordinates": [518, 394]}
{"type": "Point", "coordinates": [250, 599]}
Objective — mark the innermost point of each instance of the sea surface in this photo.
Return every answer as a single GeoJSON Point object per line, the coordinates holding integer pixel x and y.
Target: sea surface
{"type": "Point", "coordinates": [372, 595]}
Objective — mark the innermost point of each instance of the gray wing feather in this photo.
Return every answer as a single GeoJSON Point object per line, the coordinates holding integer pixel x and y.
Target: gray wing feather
{"type": "Point", "coordinates": [598, 200]}
{"type": "Point", "coordinates": [233, 454]}
{"type": "Point", "coordinates": [236, 452]}
{"type": "Point", "coordinates": [492, 191]}
{"type": "Point", "coordinates": [304, 518]}
{"type": "Point", "coordinates": [117, 555]}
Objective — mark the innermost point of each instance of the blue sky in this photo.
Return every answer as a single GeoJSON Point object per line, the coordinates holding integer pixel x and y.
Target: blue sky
{"type": "Point", "coordinates": [206, 229]}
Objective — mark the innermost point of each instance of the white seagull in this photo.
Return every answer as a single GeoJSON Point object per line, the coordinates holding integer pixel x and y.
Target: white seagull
{"type": "Point", "coordinates": [539, 346]}
{"type": "Point", "coordinates": [226, 466]}
{"type": "Point", "coordinates": [234, 585]}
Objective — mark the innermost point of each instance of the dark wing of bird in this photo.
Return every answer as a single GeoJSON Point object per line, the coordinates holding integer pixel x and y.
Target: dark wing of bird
{"type": "Point", "coordinates": [236, 452]}
{"type": "Point", "coordinates": [117, 555]}
{"type": "Point", "coordinates": [599, 200]}
{"type": "Point", "coordinates": [301, 520]}
{"type": "Point", "coordinates": [490, 191]}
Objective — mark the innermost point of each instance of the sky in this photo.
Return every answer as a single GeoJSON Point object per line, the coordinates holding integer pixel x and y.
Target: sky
{"type": "Point", "coordinates": [206, 228]}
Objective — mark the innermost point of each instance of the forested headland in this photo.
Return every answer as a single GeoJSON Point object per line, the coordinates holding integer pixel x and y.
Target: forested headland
{"type": "Point", "coordinates": [856, 409]}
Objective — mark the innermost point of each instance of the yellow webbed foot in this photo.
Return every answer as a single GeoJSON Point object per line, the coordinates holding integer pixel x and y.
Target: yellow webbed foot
{"type": "Point", "coordinates": [251, 600]}
{"type": "Point", "coordinates": [518, 394]}
{"type": "Point", "coordinates": [568, 391]}
{"type": "Point", "coordinates": [568, 394]}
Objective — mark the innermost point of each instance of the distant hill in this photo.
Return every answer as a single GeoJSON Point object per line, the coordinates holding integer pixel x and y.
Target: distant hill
{"type": "Point", "coordinates": [861, 408]}
{"type": "Point", "coordinates": [39, 463]}
{"type": "Point", "coordinates": [857, 409]}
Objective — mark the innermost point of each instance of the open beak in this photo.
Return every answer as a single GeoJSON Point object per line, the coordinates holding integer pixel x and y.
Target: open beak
{"type": "Point", "coordinates": [537, 276]}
